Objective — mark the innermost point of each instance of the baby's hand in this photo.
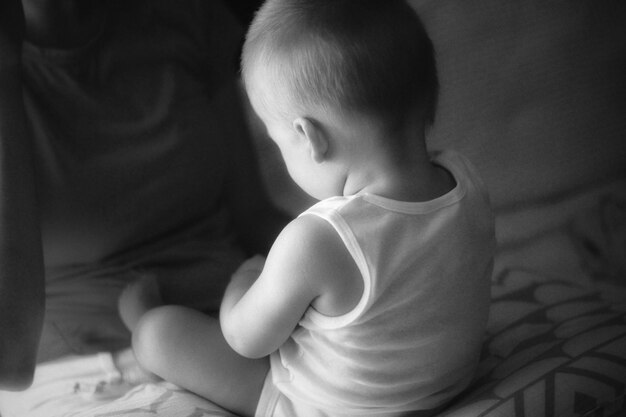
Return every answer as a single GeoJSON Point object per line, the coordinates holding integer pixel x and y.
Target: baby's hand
{"type": "Point", "coordinates": [249, 271]}
{"type": "Point", "coordinates": [254, 264]}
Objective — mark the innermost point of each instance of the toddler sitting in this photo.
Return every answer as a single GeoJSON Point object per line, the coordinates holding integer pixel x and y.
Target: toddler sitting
{"type": "Point", "coordinates": [375, 300]}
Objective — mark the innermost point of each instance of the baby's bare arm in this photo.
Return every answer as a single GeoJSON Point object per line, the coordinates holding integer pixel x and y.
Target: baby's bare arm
{"type": "Point", "coordinates": [21, 258]}
{"type": "Point", "coordinates": [307, 265]}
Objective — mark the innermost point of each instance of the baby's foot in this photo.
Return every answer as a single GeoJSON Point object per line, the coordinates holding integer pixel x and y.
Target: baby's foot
{"type": "Point", "coordinates": [137, 298]}
{"type": "Point", "coordinates": [130, 370]}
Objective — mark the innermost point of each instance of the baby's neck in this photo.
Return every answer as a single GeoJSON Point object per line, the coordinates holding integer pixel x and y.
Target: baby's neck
{"type": "Point", "coordinates": [404, 175]}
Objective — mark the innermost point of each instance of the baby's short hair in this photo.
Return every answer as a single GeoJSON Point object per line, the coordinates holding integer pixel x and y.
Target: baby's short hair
{"type": "Point", "coordinates": [370, 57]}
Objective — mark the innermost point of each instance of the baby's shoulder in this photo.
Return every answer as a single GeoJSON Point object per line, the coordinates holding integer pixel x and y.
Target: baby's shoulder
{"type": "Point", "coordinates": [309, 236]}
{"type": "Point", "coordinates": [320, 251]}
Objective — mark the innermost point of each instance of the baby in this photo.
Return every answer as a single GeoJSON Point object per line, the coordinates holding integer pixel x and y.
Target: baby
{"type": "Point", "coordinates": [374, 301]}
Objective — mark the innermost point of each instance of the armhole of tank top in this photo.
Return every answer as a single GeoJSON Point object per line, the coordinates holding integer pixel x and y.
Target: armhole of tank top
{"type": "Point", "coordinates": [460, 165]}
{"type": "Point", "coordinates": [353, 247]}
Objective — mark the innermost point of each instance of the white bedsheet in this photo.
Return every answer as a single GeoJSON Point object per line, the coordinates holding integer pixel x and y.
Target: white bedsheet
{"type": "Point", "coordinates": [90, 386]}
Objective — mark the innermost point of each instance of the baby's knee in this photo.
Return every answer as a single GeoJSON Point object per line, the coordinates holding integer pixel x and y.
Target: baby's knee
{"type": "Point", "coordinates": [155, 337]}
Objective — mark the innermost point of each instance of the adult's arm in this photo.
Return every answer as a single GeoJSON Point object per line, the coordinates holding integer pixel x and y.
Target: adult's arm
{"type": "Point", "coordinates": [21, 259]}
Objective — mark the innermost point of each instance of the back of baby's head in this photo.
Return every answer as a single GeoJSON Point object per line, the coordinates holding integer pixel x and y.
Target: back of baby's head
{"type": "Point", "coordinates": [366, 57]}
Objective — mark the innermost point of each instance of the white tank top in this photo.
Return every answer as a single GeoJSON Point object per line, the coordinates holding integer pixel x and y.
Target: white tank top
{"type": "Point", "coordinates": [413, 341]}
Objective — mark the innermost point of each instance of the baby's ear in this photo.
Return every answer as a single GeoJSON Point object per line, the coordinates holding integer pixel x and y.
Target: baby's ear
{"type": "Point", "coordinates": [314, 136]}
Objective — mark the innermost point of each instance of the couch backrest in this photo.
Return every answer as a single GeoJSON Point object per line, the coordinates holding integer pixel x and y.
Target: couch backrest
{"type": "Point", "coordinates": [533, 92]}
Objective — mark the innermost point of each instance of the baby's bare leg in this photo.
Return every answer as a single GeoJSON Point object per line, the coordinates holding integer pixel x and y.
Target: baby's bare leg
{"type": "Point", "coordinates": [187, 348]}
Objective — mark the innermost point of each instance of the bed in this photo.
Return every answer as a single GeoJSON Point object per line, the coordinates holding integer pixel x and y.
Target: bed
{"type": "Point", "coordinates": [534, 93]}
